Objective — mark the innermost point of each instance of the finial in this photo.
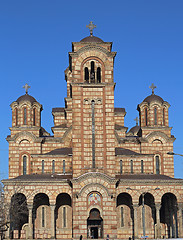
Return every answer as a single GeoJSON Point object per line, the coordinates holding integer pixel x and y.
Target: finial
{"type": "Point", "coordinates": [26, 88]}
{"type": "Point", "coordinates": [152, 87]}
{"type": "Point", "coordinates": [91, 26]}
{"type": "Point", "coordinates": [137, 121]}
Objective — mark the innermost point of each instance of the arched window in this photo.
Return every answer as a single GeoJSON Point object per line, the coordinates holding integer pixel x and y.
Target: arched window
{"type": "Point", "coordinates": [25, 116]}
{"type": "Point", "coordinates": [42, 166]}
{"type": "Point", "coordinates": [24, 165]}
{"type": "Point", "coordinates": [146, 120]}
{"type": "Point", "coordinates": [86, 74]}
{"type": "Point", "coordinates": [64, 166]}
{"type": "Point", "coordinates": [92, 72]}
{"type": "Point", "coordinates": [142, 166]}
{"type": "Point", "coordinates": [122, 217]}
{"type": "Point", "coordinates": [99, 75]}
{"type": "Point", "coordinates": [163, 116]}
{"type": "Point", "coordinates": [53, 166]}
{"type": "Point", "coordinates": [64, 217]}
{"type": "Point", "coordinates": [155, 116]}
{"type": "Point", "coordinates": [34, 117]}
{"type": "Point", "coordinates": [157, 164]}
{"type": "Point", "coordinates": [43, 217]}
{"type": "Point", "coordinates": [121, 166]}
{"type": "Point", "coordinates": [16, 117]}
{"type": "Point", "coordinates": [131, 165]}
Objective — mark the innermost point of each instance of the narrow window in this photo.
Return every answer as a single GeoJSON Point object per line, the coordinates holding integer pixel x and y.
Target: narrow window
{"type": "Point", "coordinates": [64, 217]}
{"type": "Point", "coordinates": [122, 217]}
{"type": "Point", "coordinates": [163, 116]}
{"type": "Point", "coordinates": [155, 116]}
{"type": "Point", "coordinates": [25, 116]}
{"type": "Point", "coordinates": [53, 166]}
{"type": "Point", "coordinates": [182, 218]}
{"type": "Point", "coordinates": [99, 75]}
{"type": "Point", "coordinates": [64, 166]}
{"type": "Point", "coordinates": [70, 91]}
{"type": "Point", "coordinates": [43, 217]}
{"type": "Point", "coordinates": [145, 116]}
{"type": "Point", "coordinates": [121, 166]}
{"type": "Point", "coordinates": [86, 74]}
{"type": "Point", "coordinates": [131, 165]}
{"type": "Point", "coordinates": [24, 165]}
{"type": "Point", "coordinates": [92, 72]}
{"type": "Point", "coordinates": [16, 117]}
{"type": "Point", "coordinates": [34, 117]}
{"type": "Point", "coordinates": [42, 166]}
{"type": "Point", "coordinates": [142, 166]}
{"type": "Point", "coordinates": [157, 165]}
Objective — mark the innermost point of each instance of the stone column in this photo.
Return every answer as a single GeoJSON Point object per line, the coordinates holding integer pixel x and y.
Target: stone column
{"type": "Point", "coordinates": [52, 206]}
{"type": "Point", "coordinates": [158, 229]}
{"type": "Point", "coordinates": [180, 220]}
{"type": "Point", "coordinates": [30, 233]}
{"type": "Point", "coordinates": [135, 207]}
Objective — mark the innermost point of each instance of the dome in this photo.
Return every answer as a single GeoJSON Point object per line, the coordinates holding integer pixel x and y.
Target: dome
{"type": "Point", "coordinates": [26, 97]}
{"type": "Point", "coordinates": [92, 39]}
{"type": "Point", "coordinates": [134, 130]}
{"type": "Point", "coordinates": [152, 98]}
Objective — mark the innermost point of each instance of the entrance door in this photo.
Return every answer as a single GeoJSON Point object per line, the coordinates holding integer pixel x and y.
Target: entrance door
{"type": "Point", "coordinates": [95, 224]}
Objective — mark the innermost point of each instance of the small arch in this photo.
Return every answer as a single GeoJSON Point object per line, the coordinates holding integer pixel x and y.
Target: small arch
{"type": "Point", "coordinates": [86, 74]}
{"type": "Point", "coordinates": [131, 166]}
{"type": "Point", "coordinates": [98, 75]}
{"type": "Point", "coordinates": [25, 116]}
{"type": "Point", "coordinates": [42, 164]}
{"type": "Point", "coordinates": [34, 117]}
{"type": "Point", "coordinates": [164, 123]}
{"type": "Point", "coordinates": [53, 166]}
{"type": "Point", "coordinates": [168, 214]}
{"type": "Point", "coordinates": [125, 212]}
{"type": "Point", "coordinates": [155, 116]}
{"type": "Point", "coordinates": [40, 212]}
{"type": "Point", "coordinates": [121, 166]}
{"type": "Point", "coordinates": [142, 166]}
{"type": "Point", "coordinates": [18, 213]}
{"type": "Point", "coordinates": [24, 165]}
{"type": "Point", "coordinates": [16, 116]}
{"type": "Point", "coordinates": [157, 163]}
{"type": "Point", "coordinates": [63, 211]}
{"type": "Point", "coordinates": [146, 117]}
{"type": "Point", "coordinates": [94, 224]}
{"type": "Point", "coordinates": [92, 72]}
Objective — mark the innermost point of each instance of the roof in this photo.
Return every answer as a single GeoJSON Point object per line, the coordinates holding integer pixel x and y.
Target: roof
{"type": "Point", "coordinates": [119, 110]}
{"type": "Point", "coordinates": [145, 176]}
{"type": "Point", "coordinates": [42, 177]}
{"type": "Point", "coordinates": [124, 151]}
{"type": "Point", "coordinates": [134, 130]}
{"type": "Point", "coordinates": [26, 97]}
{"type": "Point", "coordinates": [60, 151]}
{"type": "Point", "coordinates": [58, 109]}
{"type": "Point", "coordinates": [152, 98]}
{"type": "Point", "coordinates": [92, 39]}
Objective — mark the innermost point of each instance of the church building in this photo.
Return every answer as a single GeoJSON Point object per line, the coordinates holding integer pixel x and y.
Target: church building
{"type": "Point", "coordinates": [93, 177]}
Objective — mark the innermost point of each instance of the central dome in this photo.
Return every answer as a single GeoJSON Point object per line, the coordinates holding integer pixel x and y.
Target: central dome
{"type": "Point", "coordinates": [93, 39]}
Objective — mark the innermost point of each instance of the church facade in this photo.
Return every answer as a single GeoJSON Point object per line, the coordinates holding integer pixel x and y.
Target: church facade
{"type": "Point", "coordinates": [92, 177]}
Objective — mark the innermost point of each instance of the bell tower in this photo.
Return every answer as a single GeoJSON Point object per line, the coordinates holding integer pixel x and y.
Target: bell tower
{"type": "Point", "coordinates": [90, 104]}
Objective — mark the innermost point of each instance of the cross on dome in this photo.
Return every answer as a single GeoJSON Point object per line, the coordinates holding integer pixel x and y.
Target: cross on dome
{"type": "Point", "coordinates": [26, 88]}
{"type": "Point", "coordinates": [91, 26]}
{"type": "Point", "coordinates": [137, 121]}
{"type": "Point", "coordinates": [152, 87]}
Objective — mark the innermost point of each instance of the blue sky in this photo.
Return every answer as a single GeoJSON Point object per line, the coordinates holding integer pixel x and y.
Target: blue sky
{"type": "Point", "coordinates": [36, 36]}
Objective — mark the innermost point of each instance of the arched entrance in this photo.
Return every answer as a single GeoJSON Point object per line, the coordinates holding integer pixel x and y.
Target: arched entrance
{"type": "Point", "coordinates": [94, 224]}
